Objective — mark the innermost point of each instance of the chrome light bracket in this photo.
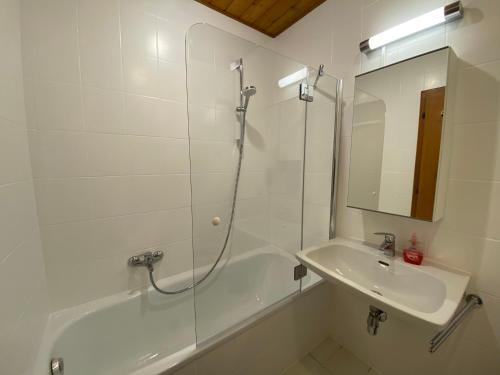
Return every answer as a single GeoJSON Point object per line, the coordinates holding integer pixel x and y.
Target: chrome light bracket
{"type": "Point", "coordinates": [453, 11]}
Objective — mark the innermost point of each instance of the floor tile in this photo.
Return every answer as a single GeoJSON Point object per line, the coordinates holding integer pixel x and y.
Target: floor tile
{"type": "Point", "coordinates": [329, 358]}
{"type": "Point", "coordinates": [325, 350]}
{"type": "Point", "coordinates": [344, 363]}
{"type": "Point", "coordinates": [307, 366]}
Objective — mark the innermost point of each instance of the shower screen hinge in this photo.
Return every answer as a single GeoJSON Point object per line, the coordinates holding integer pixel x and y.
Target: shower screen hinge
{"type": "Point", "coordinates": [299, 272]}
{"type": "Point", "coordinates": [306, 92]}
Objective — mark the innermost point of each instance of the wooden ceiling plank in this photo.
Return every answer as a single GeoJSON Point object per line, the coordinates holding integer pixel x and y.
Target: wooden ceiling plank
{"type": "Point", "coordinates": [257, 8]}
{"type": "Point", "coordinates": [278, 26]}
{"type": "Point", "coordinates": [268, 16]}
{"type": "Point", "coordinates": [279, 8]}
{"type": "Point", "coordinates": [210, 5]}
{"type": "Point", "coordinates": [294, 14]}
{"type": "Point", "coordinates": [220, 4]}
{"type": "Point", "coordinates": [238, 7]}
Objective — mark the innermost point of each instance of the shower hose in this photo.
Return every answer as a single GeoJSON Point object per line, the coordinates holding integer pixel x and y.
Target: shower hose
{"type": "Point", "coordinates": [226, 240]}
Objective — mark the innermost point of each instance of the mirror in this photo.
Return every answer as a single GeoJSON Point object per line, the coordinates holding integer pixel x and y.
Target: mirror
{"type": "Point", "coordinates": [399, 146]}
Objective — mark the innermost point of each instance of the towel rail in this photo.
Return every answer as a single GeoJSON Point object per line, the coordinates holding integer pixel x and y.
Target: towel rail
{"type": "Point", "coordinates": [472, 301]}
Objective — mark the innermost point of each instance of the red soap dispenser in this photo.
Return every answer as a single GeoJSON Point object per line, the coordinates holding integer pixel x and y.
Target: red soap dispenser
{"type": "Point", "coordinates": [413, 254]}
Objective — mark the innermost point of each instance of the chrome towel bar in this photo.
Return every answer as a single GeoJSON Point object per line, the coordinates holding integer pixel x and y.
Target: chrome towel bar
{"type": "Point", "coordinates": [471, 301]}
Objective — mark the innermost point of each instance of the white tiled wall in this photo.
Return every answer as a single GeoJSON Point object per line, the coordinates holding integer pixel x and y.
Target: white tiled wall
{"type": "Point", "coordinates": [214, 129]}
{"type": "Point", "coordinates": [102, 78]}
{"type": "Point", "coordinates": [23, 292]}
{"type": "Point", "coordinates": [269, 211]}
{"type": "Point", "coordinates": [108, 132]}
{"type": "Point", "coordinates": [468, 236]}
{"type": "Point", "coordinates": [105, 84]}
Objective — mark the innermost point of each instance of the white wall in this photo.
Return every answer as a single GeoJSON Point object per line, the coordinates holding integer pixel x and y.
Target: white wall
{"type": "Point", "coordinates": [107, 119]}
{"type": "Point", "coordinates": [100, 84]}
{"type": "Point", "coordinates": [270, 190]}
{"type": "Point", "coordinates": [23, 293]}
{"type": "Point", "coordinates": [468, 237]}
{"type": "Point", "coordinates": [214, 127]}
{"type": "Point", "coordinates": [108, 129]}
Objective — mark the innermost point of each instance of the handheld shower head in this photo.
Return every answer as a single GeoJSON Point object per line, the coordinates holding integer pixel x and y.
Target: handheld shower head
{"type": "Point", "coordinates": [247, 92]}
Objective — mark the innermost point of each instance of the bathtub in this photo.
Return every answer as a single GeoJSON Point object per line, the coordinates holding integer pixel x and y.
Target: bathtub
{"type": "Point", "coordinates": [147, 333]}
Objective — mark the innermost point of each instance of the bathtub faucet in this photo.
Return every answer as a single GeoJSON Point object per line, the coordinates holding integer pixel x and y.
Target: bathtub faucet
{"type": "Point", "coordinates": [146, 259]}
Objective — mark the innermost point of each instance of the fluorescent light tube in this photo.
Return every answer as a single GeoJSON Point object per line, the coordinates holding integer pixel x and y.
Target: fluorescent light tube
{"type": "Point", "coordinates": [299, 75]}
{"type": "Point", "coordinates": [426, 21]}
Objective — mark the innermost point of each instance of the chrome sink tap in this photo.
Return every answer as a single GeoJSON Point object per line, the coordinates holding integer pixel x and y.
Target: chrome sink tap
{"type": "Point", "coordinates": [389, 244]}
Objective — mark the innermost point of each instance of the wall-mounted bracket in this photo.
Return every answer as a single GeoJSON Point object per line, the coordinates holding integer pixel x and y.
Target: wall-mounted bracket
{"type": "Point", "coordinates": [306, 92]}
{"type": "Point", "coordinates": [299, 272]}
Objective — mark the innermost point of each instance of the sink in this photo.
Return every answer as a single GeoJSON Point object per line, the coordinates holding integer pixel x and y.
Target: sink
{"type": "Point", "coordinates": [428, 292]}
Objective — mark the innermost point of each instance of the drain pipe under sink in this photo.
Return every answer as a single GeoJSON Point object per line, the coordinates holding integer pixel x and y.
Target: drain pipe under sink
{"type": "Point", "coordinates": [375, 317]}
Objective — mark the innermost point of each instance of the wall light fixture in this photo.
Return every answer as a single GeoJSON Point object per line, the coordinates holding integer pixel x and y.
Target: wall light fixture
{"type": "Point", "coordinates": [444, 14]}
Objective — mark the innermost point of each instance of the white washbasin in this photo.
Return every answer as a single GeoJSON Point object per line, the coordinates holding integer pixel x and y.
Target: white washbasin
{"type": "Point", "coordinates": [425, 292]}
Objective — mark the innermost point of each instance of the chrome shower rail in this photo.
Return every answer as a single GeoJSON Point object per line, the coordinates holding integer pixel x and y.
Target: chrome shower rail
{"type": "Point", "coordinates": [472, 301]}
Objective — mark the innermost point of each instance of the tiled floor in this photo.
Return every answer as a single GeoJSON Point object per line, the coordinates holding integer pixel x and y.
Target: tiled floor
{"type": "Point", "coordinates": [329, 358]}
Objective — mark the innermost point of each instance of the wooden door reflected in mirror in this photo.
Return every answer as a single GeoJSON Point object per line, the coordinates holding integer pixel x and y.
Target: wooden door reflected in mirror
{"type": "Point", "coordinates": [427, 156]}
{"type": "Point", "coordinates": [401, 137]}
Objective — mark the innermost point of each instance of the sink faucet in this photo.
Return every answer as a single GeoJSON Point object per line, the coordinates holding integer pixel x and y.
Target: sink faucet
{"type": "Point", "coordinates": [389, 244]}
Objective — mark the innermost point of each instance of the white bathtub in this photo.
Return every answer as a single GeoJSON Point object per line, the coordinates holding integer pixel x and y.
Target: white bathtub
{"type": "Point", "coordinates": [148, 333]}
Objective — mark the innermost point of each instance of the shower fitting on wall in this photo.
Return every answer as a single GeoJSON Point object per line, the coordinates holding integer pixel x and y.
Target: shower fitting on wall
{"type": "Point", "coordinates": [245, 94]}
{"type": "Point", "coordinates": [148, 259]}
{"type": "Point", "coordinates": [306, 91]}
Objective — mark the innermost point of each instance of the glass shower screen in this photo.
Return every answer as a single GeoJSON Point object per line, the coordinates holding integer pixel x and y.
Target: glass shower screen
{"type": "Point", "coordinates": [266, 129]}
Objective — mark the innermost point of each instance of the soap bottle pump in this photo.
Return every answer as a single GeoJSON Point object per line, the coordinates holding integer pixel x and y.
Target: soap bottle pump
{"type": "Point", "coordinates": [413, 254]}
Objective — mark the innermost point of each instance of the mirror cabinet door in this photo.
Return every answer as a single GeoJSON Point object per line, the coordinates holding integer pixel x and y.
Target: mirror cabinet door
{"type": "Point", "coordinates": [398, 135]}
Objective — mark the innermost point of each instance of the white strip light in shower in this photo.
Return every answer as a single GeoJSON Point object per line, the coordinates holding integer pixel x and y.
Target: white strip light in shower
{"type": "Point", "coordinates": [436, 17]}
{"type": "Point", "coordinates": [299, 75]}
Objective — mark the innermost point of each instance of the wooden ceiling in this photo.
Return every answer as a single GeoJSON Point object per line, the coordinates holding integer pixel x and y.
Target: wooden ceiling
{"type": "Point", "coordinates": [271, 17]}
